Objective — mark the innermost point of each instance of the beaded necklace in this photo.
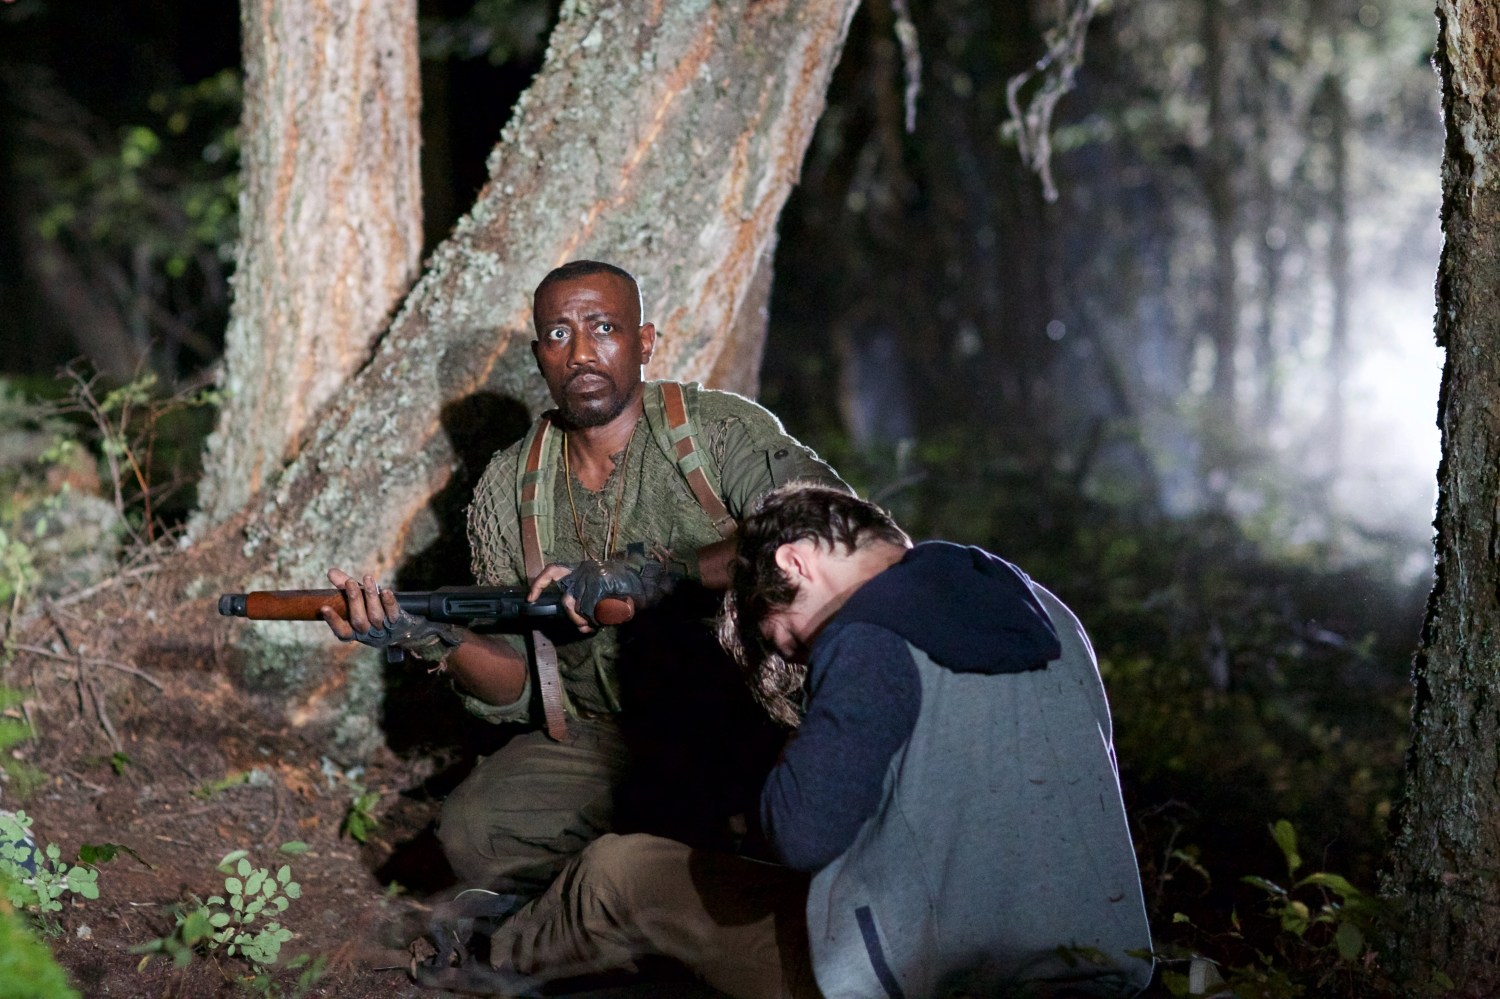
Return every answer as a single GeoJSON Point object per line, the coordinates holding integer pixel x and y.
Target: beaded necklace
{"type": "Point", "coordinates": [612, 524]}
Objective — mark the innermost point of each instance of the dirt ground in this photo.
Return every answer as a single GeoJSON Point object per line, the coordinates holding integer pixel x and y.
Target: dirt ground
{"type": "Point", "coordinates": [149, 740]}
{"type": "Point", "coordinates": [197, 781]}
{"type": "Point", "coordinates": [175, 762]}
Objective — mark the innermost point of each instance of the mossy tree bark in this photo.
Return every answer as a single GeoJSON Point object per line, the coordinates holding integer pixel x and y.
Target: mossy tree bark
{"type": "Point", "coordinates": [331, 216]}
{"type": "Point", "coordinates": [1447, 855]}
{"type": "Point", "coordinates": [663, 136]}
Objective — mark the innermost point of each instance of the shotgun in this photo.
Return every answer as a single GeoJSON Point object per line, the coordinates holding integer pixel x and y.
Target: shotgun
{"type": "Point", "coordinates": [506, 606]}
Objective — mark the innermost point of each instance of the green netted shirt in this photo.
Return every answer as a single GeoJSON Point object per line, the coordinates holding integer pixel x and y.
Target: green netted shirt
{"type": "Point", "coordinates": [747, 453]}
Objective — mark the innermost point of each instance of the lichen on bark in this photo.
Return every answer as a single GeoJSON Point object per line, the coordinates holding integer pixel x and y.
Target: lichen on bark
{"type": "Point", "coordinates": [1446, 857]}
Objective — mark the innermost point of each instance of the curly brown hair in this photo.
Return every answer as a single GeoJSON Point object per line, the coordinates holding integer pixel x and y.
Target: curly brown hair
{"type": "Point", "coordinates": [797, 511]}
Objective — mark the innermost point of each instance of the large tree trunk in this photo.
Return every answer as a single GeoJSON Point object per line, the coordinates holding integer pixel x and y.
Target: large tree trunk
{"type": "Point", "coordinates": [1447, 856]}
{"type": "Point", "coordinates": [665, 137]}
{"type": "Point", "coordinates": [331, 216]}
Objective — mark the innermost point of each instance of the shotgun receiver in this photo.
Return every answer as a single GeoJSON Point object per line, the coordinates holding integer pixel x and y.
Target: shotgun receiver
{"type": "Point", "coordinates": [505, 605]}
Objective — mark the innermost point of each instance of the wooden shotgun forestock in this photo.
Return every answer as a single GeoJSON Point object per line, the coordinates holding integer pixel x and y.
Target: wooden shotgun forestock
{"type": "Point", "coordinates": [506, 606]}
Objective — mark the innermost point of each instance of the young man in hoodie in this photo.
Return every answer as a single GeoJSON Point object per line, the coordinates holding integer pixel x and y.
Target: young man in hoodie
{"type": "Point", "coordinates": [947, 819]}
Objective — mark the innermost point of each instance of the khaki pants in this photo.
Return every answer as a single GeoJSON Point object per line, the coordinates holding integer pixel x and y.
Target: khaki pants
{"type": "Point", "coordinates": [738, 924]}
{"type": "Point", "coordinates": [530, 807]}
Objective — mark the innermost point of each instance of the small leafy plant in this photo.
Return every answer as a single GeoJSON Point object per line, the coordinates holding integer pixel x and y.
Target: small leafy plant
{"type": "Point", "coordinates": [1339, 910]}
{"type": "Point", "coordinates": [1322, 925]}
{"type": "Point", "coordinates": [234, 920]}
{"type": "Point", "coordinates": [360, 820]}
{"type": "Point", "coordinates": [36, 878]}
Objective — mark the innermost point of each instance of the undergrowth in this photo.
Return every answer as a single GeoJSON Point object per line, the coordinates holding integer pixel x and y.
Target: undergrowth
{"type": "Point", "coordinates": [1260, 700]}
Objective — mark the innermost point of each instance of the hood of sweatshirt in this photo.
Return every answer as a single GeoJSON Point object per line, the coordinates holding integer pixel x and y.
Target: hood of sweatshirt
{"type": "Point", "coordinates": [970, 611]}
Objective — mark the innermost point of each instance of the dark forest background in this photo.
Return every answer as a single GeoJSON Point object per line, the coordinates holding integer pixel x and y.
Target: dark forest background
{"type": "Point", "coordinates": [1183, 374]}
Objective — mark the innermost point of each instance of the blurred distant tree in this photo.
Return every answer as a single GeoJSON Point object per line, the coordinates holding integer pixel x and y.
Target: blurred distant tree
{"type": "Point", "coordinates": [1447, 856]}
{"type": "Point", "coordinates": [331, 222]}
{"type": "Point", "coordinates": [118, 154]}
{"type": "Point", "coordinates": [922, 244]}
{"type": "Point", "coordinates": [1237, 193]}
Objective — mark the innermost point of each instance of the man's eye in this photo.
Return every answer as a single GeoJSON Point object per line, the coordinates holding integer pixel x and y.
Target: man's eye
{"type": "Point", "coordinates": [560, 333]}
{"type": "Point", "coordinates": [606, 327]}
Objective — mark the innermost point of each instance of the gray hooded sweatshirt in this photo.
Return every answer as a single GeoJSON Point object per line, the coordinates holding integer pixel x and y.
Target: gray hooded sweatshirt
{"type": "Point", "coordinates": [954, 788]}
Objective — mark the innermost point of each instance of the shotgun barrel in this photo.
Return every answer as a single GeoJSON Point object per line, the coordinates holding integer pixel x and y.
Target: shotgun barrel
{"type": "Point", "coordinates": [505, 606]}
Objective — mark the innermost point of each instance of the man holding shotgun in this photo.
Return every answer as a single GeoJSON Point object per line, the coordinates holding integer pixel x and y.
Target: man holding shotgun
{"type": "Point", "coordinates": [628, 491]}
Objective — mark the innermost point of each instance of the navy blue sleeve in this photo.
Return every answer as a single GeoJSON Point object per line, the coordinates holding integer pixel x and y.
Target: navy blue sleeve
{"type": "Point", "coordinates": [864, 693]}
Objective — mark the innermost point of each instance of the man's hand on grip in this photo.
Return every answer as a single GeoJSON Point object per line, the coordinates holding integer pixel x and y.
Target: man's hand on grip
{"type": "Point", "coordinates": [377, 620]}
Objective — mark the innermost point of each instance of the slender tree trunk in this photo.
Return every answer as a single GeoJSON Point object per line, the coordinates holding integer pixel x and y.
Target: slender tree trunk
{"type": "Point", "coordinates": [331, 219]}
{"type": "Point", "coordinates": [664, 136]}
{"type": "Point", "coordinates": [1336, 105]}
{"type": "Point", "coordinates": [1447, 855]}
{"type": "Point", "coordinates": [1218, 181]}
{"type": "Point", "coordinates": [1270, 237]}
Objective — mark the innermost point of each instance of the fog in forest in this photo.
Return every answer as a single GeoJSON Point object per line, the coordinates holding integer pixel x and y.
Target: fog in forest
{"type": "Point", "coordinates": [1139, 295]}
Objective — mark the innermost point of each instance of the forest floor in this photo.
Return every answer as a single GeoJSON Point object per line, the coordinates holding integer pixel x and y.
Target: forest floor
{"type": "Point", "coordinates": [158, 749]}
{"type": "Point", "coordinates": [200, 777]}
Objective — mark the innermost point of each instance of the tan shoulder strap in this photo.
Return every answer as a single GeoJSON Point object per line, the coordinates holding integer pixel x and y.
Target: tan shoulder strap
{"type": "Point", "coordinates": [682, 432]}
{"type": "Point", "coordinates": [536, 502]}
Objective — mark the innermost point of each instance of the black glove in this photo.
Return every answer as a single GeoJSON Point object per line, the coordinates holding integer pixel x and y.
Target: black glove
{"type": "Point", "coordinates": [592, 581]}
{"type": "Point", "coordinates": [410, 633]}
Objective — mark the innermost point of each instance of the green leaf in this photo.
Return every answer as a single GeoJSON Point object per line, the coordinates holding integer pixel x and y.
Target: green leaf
{"type": "Point", "coordinates": [257, 879]}
{"type": "Point", "coordinates": [98, 853]}
{"type": "Point", "coordinates": [1286, 838]}
{"type": "Point", "coordinates": [199, 925]}
{"type": "Point", "coordinates": [294, 846]}
{"type": "Point", "coordinates": [1295, 917]}
{"type": "Point", "coordinates": [83, 881]}
{"type": "Point", "coordinates": [1176, 983]}
{"type": "Point", "coordinates": [1333, 882]}
{"type": "Point", "coordinates": [244, 868]}
{"type": "Point", "coordinates": [230, 858]}
{"type": "Point", "coordinates": [292, 889]}
{"type": "Point", "coordinates": [1350, 941]}
{"type": "Point", "coordinates": [1263, 884]}
{"type": "Point", "coordinates": [219, 920]}
{"type": "Point", "coordinates": [234, 886]}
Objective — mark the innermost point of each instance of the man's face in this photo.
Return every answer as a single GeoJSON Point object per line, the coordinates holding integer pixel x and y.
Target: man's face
{"type": "Point", "coordinates": [791, 629]}
{"type": "Point", "coordinates": [590, 345]}
{"type": "Point", "coordinates": [787, 632]}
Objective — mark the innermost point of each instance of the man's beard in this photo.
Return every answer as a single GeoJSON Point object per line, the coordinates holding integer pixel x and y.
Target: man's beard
{"type": "Point", "coordinates": [596, 415]}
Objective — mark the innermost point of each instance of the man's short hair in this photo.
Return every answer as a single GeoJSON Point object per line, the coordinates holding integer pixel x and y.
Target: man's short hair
{"type": "Point", "coordinates": [574, 269]}
{"type": "Point", "coordinates": [797, 511]}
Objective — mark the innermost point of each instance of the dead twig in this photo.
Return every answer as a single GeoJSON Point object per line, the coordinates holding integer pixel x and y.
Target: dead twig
{"type": "Point", "coordinates": [273, 831]}
{"type": "Point", "coordinates": [115, 580]}
{"type": "Point", "coordinates": [96, 788]}
{"type": "Point", "coordinates": [101, 713]}
{"type": "Point", "coordinates": [37, 650]}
